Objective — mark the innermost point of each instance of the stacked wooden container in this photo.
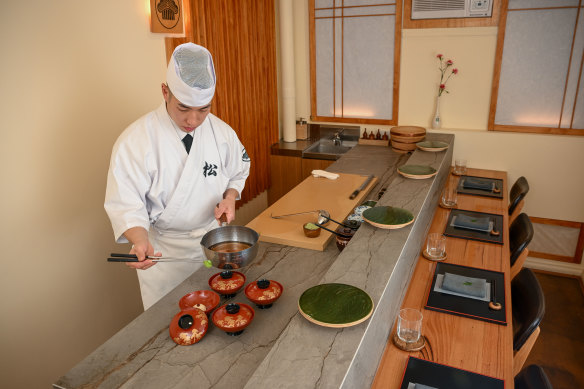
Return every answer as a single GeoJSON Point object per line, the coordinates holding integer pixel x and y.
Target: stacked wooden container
{"type": "Point", "coordinates": [404, 138]}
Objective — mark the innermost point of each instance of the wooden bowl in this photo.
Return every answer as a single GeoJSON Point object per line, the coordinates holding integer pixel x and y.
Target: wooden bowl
{"type": "Point", "coordinates": [205, 300]}
{"type": "Point", "coordinates": [227, 282]}
{"type": "Point", "coordinates": [408, 139]}
{"type": "Point", "coordinates": [407, 131]}
{"type": "Point", "coordinates": [311, 232]}
{"type": "Point", "coordinates": [263, 292]}
{"type": "Point", "coordinates": [403, 146]}
{"type": "Point", "coordinates": [233, 318]}
{"type": "Point", "coordinates": [188, 326]}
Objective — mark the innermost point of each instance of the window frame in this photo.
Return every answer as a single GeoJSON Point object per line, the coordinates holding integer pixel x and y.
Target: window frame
{"type": "Point", "coordinates": [396, 69]}
{"type": "Point", "coordinates": [497, 75]}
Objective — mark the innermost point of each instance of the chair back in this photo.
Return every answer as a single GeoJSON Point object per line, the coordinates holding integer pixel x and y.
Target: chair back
{"type": "Point", "coordinates": [517, 193]}
{"type": "Point", "coordinates": [528, 306]}
{"type": "Point", "coordinates": [520, 234]}
{"type": "Point", "coordinates": [532, 377]}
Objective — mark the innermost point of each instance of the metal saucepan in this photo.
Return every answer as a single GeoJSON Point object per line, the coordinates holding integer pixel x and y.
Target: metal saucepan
{"type": "Point", "coordinates": [230, 237]}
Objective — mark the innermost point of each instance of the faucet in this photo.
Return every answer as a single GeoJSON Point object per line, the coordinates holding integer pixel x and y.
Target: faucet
{"type": "Point", "coordinates": [337, 137]}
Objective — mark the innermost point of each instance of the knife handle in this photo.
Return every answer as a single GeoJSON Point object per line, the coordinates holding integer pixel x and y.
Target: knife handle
{"type": "Point", "coordinates": [122, 260]}
{"type": "Point", "coordinates": [354, 194]}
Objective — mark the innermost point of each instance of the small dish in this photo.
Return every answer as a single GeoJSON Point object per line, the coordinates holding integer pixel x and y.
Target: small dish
{"type": "Point", "coordinates": [432, 145]}
{"type": "Point", "coordinates": [418, 172]}
{"type": "Point", "coordinates": [227, 283]}
{"type": "Point", "coordinates": [311, 230]}
{"type": "Point", "coordinates": [188, 326]}
{"type": "Point", "coordinates": [233, 318]}
{"type": "Point", "coordinates": [205, 300]}
{"type": "Point", "coordinates": [263, 293]}
{"type": "Point", "coordinates": [388, 217]}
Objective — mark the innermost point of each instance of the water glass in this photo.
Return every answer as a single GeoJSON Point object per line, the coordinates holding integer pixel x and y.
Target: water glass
{"type": "Point", "coordinates": [409, 325]}
{"type": "Point", "coordinates": [436, 245]}
{"type": "Point", "coordinates": [449, 195]}
{"type": "Point", "coordinates": [460, 166]}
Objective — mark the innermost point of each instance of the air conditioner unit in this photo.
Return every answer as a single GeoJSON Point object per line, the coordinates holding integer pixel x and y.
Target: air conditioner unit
{"type": "Point", "coordinates": [441, 9]}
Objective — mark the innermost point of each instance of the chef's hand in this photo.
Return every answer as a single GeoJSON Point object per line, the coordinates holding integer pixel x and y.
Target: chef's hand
{"type": "Point", "coordinates": [227, 206]}
{"type": "Point", "coordinates": [138, 236]}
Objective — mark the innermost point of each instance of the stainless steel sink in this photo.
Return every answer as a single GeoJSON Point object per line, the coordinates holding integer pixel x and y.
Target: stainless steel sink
{"type": "Point", "coordinates": [325, 149]}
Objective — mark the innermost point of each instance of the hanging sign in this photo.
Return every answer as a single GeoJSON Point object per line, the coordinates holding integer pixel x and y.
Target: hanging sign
{"type": "Point", "coordinates": [166, 17]}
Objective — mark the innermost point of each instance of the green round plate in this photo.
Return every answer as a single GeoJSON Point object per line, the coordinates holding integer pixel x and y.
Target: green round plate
{"type": "Point", "coordinates": [432, 145]}
{"type": "Point", "coordinates": [335, 305]}
{"type": "Point", "coordinates": [418, 172]}
{"type": "Point", "coordinates": [388, 217]}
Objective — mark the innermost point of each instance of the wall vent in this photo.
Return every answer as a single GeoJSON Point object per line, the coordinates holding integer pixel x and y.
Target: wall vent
{"type": "Point", "coordinates": [441, 9]}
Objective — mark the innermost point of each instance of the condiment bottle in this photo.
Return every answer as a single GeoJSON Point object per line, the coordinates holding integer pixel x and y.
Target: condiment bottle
{"type": "Point", "coordinates": [365, 134]}
{"type": "Point", "coordinates": [378, 136]}
{"type": "Point", "coordinates": [371, 135]}
{"type": "Point", "coordinates": [385, 137]}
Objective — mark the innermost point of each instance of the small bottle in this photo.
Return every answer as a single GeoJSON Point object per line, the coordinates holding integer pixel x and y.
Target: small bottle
{"type": "Point", "coordinates": [385, 137]}
{"type": "Point", "coordinates": [365, 134]}
{"type": "Point", "coordinates": [378, 136]}
{"type": "Point", "coordinates": [371, 135]}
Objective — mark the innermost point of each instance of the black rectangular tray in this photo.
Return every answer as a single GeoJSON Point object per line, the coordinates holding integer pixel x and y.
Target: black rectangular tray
{"type": "Point", "coordinates": [462, 306]}
{"type": "Point", "coordinates": [481, 236]}
{"type": "Point", "coordinates": [421, 371]}
{"type": "Point", "coordinates": [480, 192]}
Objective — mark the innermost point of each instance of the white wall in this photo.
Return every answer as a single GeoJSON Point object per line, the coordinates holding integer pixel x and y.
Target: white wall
{"type": "Point", "coordinates": [73, 75]}
{"type": "Point", "coordinates": [551, 163]}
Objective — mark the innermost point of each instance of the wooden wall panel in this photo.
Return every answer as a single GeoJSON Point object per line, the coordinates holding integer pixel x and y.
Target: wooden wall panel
{"type": "Point", "coordinates": [241, 36]}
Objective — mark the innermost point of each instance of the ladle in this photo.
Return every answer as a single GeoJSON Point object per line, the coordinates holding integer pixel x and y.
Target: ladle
{"type": "Point", "coordinates": [323, 216]}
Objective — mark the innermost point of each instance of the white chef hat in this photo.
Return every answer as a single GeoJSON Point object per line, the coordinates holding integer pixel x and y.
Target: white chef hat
{"type": "Point", "coordinates": [191, 75]}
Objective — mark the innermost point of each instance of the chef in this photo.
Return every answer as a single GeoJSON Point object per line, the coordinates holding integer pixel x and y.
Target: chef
{"type": "Point", "coordinates": [173, 173]}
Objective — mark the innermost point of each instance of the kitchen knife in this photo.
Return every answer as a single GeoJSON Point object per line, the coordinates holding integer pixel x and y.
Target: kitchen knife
{"type": "Point", "coordinates": [363, 186]}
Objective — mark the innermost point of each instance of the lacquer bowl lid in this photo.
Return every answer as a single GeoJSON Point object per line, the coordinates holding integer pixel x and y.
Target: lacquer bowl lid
{"type": "Point", "coordinates": [233, 318]}
{"type": "Point", "coordinates": [205, 300]}
{"type": "Point", "coordinates": [188, 326]}
{"type": "Point", "coordinates": [227, 282]}
{"type": "Point", "coordinates": [264, 292]}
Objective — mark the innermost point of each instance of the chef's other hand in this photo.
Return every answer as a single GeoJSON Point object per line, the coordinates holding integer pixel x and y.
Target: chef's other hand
{"type": "Point", "coordinates": [138, 236]}
{"type": "Point", "coordinates": [227, 206]}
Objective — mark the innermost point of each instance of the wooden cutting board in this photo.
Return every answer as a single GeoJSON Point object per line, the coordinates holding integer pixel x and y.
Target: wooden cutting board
{"type": "Point", "coordinates": [310, 195]}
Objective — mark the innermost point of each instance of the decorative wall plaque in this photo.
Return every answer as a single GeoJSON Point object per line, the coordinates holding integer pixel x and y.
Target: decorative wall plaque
{"type": "Point", "coordinates": [166, 17]}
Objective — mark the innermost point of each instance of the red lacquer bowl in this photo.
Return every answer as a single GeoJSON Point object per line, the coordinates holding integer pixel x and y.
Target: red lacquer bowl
{"type": "Point", "coordinates": [205, 300]}
{"type": "Point", "coordinates": [233, 318]}
{"type": "Point", "coordinates": [227, 282]}
{"type": "Point", "coordinates": [188, 326]}
{"type": "Point", "coordinates": [264, 292]}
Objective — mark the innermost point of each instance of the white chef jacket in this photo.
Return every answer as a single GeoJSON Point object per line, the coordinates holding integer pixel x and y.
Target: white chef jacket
{"type": "Point", "coordinates": [153, 183]}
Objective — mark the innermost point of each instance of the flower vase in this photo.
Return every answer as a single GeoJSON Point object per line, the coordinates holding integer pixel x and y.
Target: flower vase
{"type": "Point", "coordinates": [437, 120]}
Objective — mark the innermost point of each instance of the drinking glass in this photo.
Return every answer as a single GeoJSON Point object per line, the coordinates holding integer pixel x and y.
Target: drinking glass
{"type": "Point", "coordinates": [409, 325]}
{"type": "Point", "coordinates": [449, 195]}
{"type": "Point", "coordinates": [460, 166]}
{"type": "Point", "coordinates": [436, 245]}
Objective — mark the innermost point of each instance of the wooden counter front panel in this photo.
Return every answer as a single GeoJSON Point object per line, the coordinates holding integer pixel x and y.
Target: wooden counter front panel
{"type": "Point", "coordinates": [285, 174]}
{"type": "Point", "coordinates": [461, 342]}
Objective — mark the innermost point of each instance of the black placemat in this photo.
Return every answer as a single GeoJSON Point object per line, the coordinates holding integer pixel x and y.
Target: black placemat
{"type": "Point", "coordinates": [464, 306]}
{"type": "Point", "coordinates": [479, 192]}
{"type": "Point", "coordinates": [440, 376]}
{"type": "Point", "coordinates": [457, 232]}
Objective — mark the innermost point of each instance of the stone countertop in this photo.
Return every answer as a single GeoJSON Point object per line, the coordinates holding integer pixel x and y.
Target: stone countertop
{"type": "Point", "coordinates": [281, 348]}
{"type": "Point", "coordinates": [291, 149]}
